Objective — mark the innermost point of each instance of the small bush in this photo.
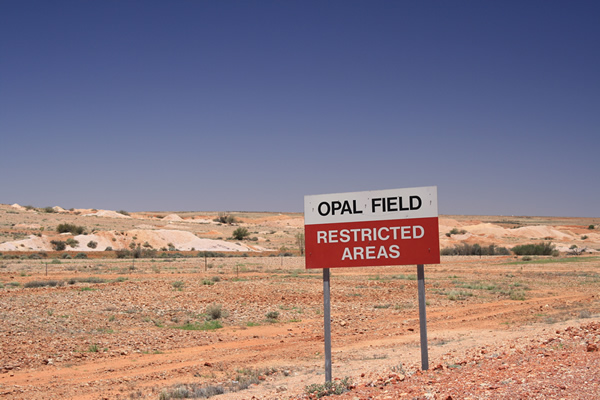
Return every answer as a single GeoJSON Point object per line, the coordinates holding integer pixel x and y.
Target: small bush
{"type": "Point", "coordinates": [178, 285]}
{"type": "Point", "coordinates": [214, 311]}
{"type": "Point", "coordinates": [74, 229]}
{"type": "Point", "coordinates": [92, 245]}
{"type": "Point", "coordinates": [36, 284]}
{"type": "Point", "coordinates": [48, 210]}
{"type": "Point", "coordinates": [584, 237]}
{"type": "Point", "coordinates": [123, 212]}
{"type": "Point", "coordinates": [190, 391]}
{"type": "Point", "coordinates": [328, 388]}
{"type": "Point", "coordinates": [540, 249]}
{"type": "Point", "coordinates": [466, 249]}
{"type": "Point", "coordinates": [240, 233]}
{"type": "Point", "coordinates": [226, 219]}
{"type": "Point", "coordinates": [58, 245]}
{"type": "Point", "coordinates": [123, 253]}
{"type": "Point", "coordinates": [591, 227]}
{"type": "Point", "coordinates": [456, 231]}
{"type": "Point", "coordinates": [272, 315]}
{"type": "Point", "coordinates": [72, 242]}
{"type": "Point", "coordinates": [210, 254]}
{"type": "Point", "coordinates": [81, 256]}
{"type": "Point", "coordinates": [206, 326]}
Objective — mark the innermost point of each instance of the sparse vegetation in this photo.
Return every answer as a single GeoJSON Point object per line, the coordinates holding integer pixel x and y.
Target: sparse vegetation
{"type": "Point", "coordinates": [36, 284]}
{"type": "Point", "coordinates": [123, 212]}
{"type": "Point", "coordinates": [190, 391]}
{"type": "Point", "coordinates": [328, 388]}
{"type": "Point", "coordinates": [272, 315]}
{"type": "Point", "coordinates": [178, 285]}
{"type": "Point", "coordinates": [58, 245]}
{"type": "Point", "coordinates": [540, 249]}
{"type": "Point", "coordinates": [73, 229]}
{"type": "Point", "coordinates": [300, 242]}
{"type": "Point", "coordinates": [456, 231]}
{"type": "Point", "coordinates": [92, 244]}
{"type": "Point", "coordinates": [72, 242]}
{"type": "Point", "coordinates": [226, 219]}
{"type": "Point", "coordinates": [205, 326]}
{"type": "Point", "coordinates": [240, 233]}
{"type": "Point", "coordinates": [214, 311]}
{"type": "Point", "coordinates": [466, 249]}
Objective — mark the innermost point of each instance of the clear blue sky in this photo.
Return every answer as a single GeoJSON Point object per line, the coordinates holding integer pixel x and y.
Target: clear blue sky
{"type": "Point", "coordinates": [238, 105]}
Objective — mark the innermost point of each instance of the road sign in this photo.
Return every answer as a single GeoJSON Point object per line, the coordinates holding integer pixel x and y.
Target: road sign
{"type": "Point", "coordinates": [373, 228]}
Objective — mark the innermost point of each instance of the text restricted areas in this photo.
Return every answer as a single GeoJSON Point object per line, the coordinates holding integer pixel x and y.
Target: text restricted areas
{"type": "Point", "coordinates": [384, 227]}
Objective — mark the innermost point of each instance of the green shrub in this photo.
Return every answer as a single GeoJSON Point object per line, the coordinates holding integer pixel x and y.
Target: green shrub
{"type": "Point", "coordinates": [37, 256]}
{"type": "Point", "coordinates": [591, 227]}
{"type": "Point", "coordinates": [540, 249]}
{"type": "Point", "coordinates": [456, 231]}
{"type": "Point", "coordinates": [214, 311]}
{"type": "Point", "coordinates": [36, 284]}
{"type": "Point", "coordinates": [584, 237]}
{"type": "Point", "coordinates": [226, 219]}
{"type": "Point", "coordinates": [81, 256]}
{"type": "Point", "coordinates": [58, 245]}
{"type": "Point", "coordinates": [123, 212]}
{"type": "Point", "coordinates": [72, 242]}
{"type": "Point", "coordinates": [72, 228]}
{"type": "Point", "coordinates": [328, 388]}
{"type": "Point", "coordinates": [466, 249]}
{"type": "Point", "coordinates": [272, 315]}
{"type": "Point", "coordinates": [211, 254]}
{"type": "Point", "coordinates": [178, 285]}
{"type": "Point", "coordinates": [190, 391]}
{"type": "Point", "coordinates": [240, 233]}
{"type": "Point", "coordinates": [122, 253]}
{"type": "Point", "coordinates": [92, 245]}
{"type": "Point", "coordinates": [206, 326]}
{"type": "Point", "coordinates": [48, 210]}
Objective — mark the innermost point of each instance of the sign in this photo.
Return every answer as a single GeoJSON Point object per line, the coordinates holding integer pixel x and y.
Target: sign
{"type": "Point", "coordinates": [373, 228]}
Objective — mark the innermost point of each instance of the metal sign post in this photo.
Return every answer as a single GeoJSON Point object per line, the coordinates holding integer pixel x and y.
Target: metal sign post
{"type": "Point", "coordinates": [327, 321]}
{"type": "Point", "coordinates": [422, 317]}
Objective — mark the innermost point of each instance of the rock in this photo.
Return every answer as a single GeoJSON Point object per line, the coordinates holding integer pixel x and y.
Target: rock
{"type": "Point", "coordinates": [592, 347]}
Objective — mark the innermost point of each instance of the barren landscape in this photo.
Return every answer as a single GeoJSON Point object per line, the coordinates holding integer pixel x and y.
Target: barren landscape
{"type": "Point", "coordinates": [202, 312]}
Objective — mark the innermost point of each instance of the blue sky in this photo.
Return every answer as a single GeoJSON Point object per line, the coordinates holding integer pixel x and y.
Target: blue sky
{"type": "Point", "coordinates": [236, 105]}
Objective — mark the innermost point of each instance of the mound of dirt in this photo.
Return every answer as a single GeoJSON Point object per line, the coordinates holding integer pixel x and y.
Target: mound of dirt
{"type": "Point", "coordinates": [106, 214]}
{"type": "Point", "coordinates": [173, 217]}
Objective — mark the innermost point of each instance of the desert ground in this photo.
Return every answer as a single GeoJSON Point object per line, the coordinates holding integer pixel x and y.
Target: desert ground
{"type": "Point", "coordinates": [202, 312]}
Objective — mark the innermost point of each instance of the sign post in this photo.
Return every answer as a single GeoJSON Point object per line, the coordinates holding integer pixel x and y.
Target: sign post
{"type": "Point", "coordinates": [373, 228]}
{"type": "Point", "coordinates": [422, 318]}
{"type": "Point", "coordinates": [327, 323]}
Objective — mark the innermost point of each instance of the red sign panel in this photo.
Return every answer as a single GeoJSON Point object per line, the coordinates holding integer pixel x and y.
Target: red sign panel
{"type": "Point", "coordinates": [390, 227]}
